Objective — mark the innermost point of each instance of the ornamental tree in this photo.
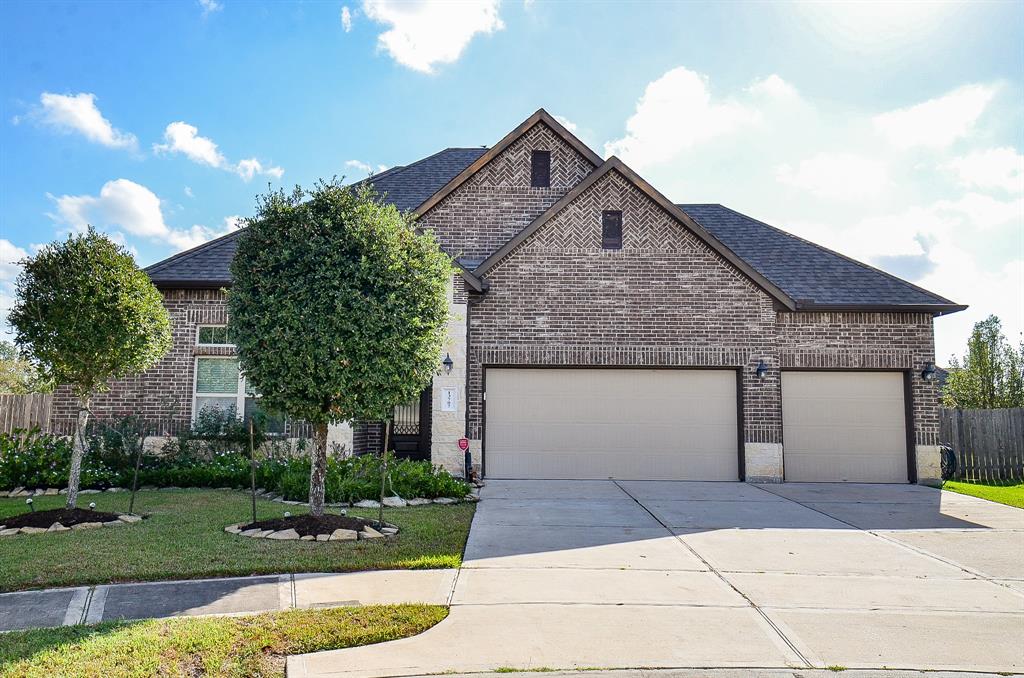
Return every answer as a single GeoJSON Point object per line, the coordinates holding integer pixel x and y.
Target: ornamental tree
{"type": "Point", "coordinates": [338, 309]}
{"type": "Point", "coordinates": [85, 314]}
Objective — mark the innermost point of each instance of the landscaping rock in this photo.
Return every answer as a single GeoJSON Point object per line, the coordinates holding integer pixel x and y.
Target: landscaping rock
{"type": "Point", "coordinates": [234, 529]}
{"type": "Point", "coordinates": [390, 531]}
{"type": "Point", "coordinates": [168, 489]}
{"type": "Point", "coordinates": [129, 518]}
{"type": "Point", "coordinates": [263, 534]}
{"type": "Point", "coordinates": [446, 500]}
{"type": "Point", "coordinates": [471, 498]}
{"type": "Point", "coordinates": [86, 526]}
{"type": "Point", "coordinates": [250, 533]}
{"type": "Point", "coordinates": [51, 491]}
{"type": "Point", "coordinates": [323, 537]}
{"type": "Point", "coordinates": [370, 533]}
{"type": "Point", "coordinates": [418, 501]}
{"type": "Point", "coordinates": [307, 537]}
{"type": "Point", "coordinates": [32, 530]}
{"type": "Point", "coordinates": [291, 503]}
{"type": "Point", "coordinates": [284, 534]}
{"type": "Point", "coordinates": [15, 491]}
{"type": "Point", "coordinates": [10, 532]}
{"type": "Point", "coordinates": [57, 527]}
{"type": "Point", "coordinates": [23, 493]}
{"type": "Point", "coordinates": [113, 523]}
{"type": "Point", "coordinates": [395, 502]}
{"type": "Point", "coordinates": [344, 535]}
{"type": "Point", "coordinates": [367, 503]}
{"type": "Point", "coordinates": [116, 489]}
{"type": "Point", "coordinates": [88, 492]}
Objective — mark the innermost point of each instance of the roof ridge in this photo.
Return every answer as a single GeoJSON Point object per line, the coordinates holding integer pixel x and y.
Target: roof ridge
{"type": "Point", "coordinates": [829, 250]}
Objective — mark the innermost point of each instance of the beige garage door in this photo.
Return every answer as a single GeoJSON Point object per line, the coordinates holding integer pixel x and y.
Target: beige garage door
{"type": "Point", "coordinates": [844, 426]}
{"type": "Point", "coordinates": [610, 423]}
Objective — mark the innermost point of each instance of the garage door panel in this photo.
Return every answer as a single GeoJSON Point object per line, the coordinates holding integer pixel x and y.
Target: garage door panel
{"type": "Point", "coordinates": [603, 423]}
{"type": "Point", "coordinates": [844, 426]}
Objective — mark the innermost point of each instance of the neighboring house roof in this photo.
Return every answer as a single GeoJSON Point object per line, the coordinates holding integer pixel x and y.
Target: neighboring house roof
{"type": "Point", "coordinates": [797, 273]}
{"type": "Point", "coordinates": [406, 187]}
{"type": "Point", "coordinates": [812, 275]}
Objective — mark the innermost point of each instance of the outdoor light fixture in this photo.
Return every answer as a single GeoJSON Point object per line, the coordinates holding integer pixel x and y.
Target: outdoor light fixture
{"type": "Point", "coordinates": [762, 370]}
{"type": "Point", "coordinates": [448, 364]}
{"type": "Point", "coordinates": [92, 506]}
{"type": "Point", "coordinates": [30, 506]}
{"type": "Point", "coordinates": [928, 374]}
{"type": "Point", "coordinates": [287, 514]}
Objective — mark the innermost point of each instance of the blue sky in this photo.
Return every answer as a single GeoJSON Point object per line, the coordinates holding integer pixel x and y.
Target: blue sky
{"type": "Point", "coordinates": [890, 132]}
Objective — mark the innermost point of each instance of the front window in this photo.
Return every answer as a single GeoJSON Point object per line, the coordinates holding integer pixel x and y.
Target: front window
{"type": "Point", "coordinates": [213, 335]}
{"type": "Point", "coordinates": [220, 384]}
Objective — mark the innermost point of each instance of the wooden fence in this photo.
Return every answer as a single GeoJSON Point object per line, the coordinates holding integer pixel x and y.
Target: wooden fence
{"type": "Point", "coordinates": [25, 411]}
{"type": "Point", "coordinates": [989, 444]}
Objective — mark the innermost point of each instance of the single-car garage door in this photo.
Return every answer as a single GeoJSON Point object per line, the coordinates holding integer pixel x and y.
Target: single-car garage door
{"type": "Point", "coordinates": [844, 426]}
{"type": "Point", "coordinates": [611, 423]}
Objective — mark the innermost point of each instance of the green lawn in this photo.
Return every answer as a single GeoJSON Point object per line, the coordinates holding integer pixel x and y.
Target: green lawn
{"type": "Point", "coordinates": [254, 645]}
{"type": "Point", "coordinates": [184, 538]}
{"type": "Point", "coordinates": [1009, 492]}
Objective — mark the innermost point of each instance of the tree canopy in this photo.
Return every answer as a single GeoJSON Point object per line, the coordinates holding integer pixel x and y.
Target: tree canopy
{"type": "Point", "coordinates": [338, 307]}
{"type": "Point", "coordinates": [991, 374]}
{"type": "Point", "coordinates": [85, 314]}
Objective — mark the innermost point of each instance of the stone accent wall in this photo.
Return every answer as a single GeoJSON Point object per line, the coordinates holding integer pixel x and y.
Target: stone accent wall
{"type": "Point", "coordinates": [164, 392]}
{"type": "Point", "coordinates": [664, 299]}
{"type": "Point", "coordinates": [448, 427]}
{"type": "Point", "coordinates": [497, 202]}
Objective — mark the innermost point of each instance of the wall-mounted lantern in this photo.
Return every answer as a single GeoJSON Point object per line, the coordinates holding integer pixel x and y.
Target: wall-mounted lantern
{"type": "Point", "coordinates": [448, 363]}
{"type": "Point", "coordinates": [762, 369]}
{"type": "Point", "coordinates": [928, 374]}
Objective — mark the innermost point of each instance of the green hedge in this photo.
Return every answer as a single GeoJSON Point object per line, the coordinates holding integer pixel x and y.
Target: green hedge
{"type": "Point", "coordinates": [32, 459]}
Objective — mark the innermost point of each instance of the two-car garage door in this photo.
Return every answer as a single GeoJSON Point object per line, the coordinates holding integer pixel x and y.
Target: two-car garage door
{"type": "Point", "coordinates": [655, 424]}
{"type": "Point", "coordinates": [611, 423]}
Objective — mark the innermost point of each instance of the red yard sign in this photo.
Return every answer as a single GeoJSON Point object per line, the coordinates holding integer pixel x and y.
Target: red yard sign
{"type": "Point", "coordinates": [463, 444]}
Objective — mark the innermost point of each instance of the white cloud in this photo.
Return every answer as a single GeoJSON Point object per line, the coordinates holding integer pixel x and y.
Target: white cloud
{"type": "Point", "coordinates": [566, 123]}
{"type": "Point", "coordinates": [10, 268]}
{"type": "Point", "coordinates": [999, 168]}
{"type": "Point", "coordinates": [249, 168]}
{"type": "Point", "coordinates": [773, 87]}
{"type": "Point", "coordinates": [938, 122]}
{"type": "Point", "coordinates": [210, 6]}
{"type": "Point", "coordinates": [675, 113]}
{"type": "Point", "coordinates": [844, 176]}
{"type": "Point", "coordinates": [124, 206]}
{"type": "Point", "coordinates": [346, 19]}
{"type": "Point", "coordinates": [77, 113]}
{"type": "Point", "coordinates": [189, 193]}
{"type": "Point", "coordinates": [422, 35]}
{"type": "Point", "coordinates": [181, 137]}
{"type": "Point", "coordinates": [364, 167]}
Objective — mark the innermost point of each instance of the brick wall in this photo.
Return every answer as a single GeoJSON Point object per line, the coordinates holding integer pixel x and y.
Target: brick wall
{"type": "Point", "coordinates": [497, 202]}
{"type": "Point", "coordinates": [164, 392]}
{"type": "Point", "coordinates": [664, 299]}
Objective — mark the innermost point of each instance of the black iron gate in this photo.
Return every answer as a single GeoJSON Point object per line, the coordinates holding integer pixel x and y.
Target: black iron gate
{"type": "Point", "coordinates": [410, 429]}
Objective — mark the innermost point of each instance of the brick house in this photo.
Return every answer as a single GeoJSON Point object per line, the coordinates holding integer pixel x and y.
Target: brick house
{"type": "Point", "coordinates": [598, 330]}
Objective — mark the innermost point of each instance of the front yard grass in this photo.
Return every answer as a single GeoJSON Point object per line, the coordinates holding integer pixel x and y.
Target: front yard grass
{"type": "Point", "coordinates": [1010, 492]}
{"type": "Point", "coordinates": [184, 538]}
{"type": "Point", "coordinates": [253, 645]}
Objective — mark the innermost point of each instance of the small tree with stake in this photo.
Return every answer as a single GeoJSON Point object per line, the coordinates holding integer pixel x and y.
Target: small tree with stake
{"type": "Point", "coordinates": [86, 314]}
{"type": "Point", "coordinates": [338, 309]}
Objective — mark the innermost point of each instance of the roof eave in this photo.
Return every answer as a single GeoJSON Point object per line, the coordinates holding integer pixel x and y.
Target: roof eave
{"type": "Point", "coordinates": [190, 284]}
{"type": "Point", "coordinates": [934, 309]}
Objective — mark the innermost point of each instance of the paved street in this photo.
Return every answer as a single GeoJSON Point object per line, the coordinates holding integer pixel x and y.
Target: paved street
{"type": "Point", "coordinates": [601, 574]}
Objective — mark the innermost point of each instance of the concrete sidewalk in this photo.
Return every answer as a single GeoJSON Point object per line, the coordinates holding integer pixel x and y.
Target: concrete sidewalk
{"type": "Point", "coordinates": [236, 595]}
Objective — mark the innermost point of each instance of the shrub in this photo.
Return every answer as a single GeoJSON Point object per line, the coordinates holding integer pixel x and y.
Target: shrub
{"type": "Point", "coordinates": [34, 460]}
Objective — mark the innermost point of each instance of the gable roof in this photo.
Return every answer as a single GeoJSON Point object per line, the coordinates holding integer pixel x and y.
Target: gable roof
{"type": "Point", "coordinates": [541, 116]}
{"type": "Point", "coordinates": [405, 187]}
{"type": "Point", "coordinates": [617, 165]}
{"type": "Point", "coordinates": [814, 276]}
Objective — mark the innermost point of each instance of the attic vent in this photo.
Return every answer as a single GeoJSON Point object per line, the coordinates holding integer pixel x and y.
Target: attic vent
{"type": "Point", "coordinates": [611, 229]}
{"type": "Point", "coordinates": [540, 169]}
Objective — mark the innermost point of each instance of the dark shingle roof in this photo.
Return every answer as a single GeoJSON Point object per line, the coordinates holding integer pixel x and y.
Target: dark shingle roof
{"type": "Point", "coordinates": [808, 273]}
{"type": "Point", "coordinates": [405, 187]}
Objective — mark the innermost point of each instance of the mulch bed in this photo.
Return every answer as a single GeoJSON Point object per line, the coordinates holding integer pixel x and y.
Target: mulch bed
{"type": "Point", "coordinates": [308, 525]}
{"type": "Point", "coordinates": [64, 516]}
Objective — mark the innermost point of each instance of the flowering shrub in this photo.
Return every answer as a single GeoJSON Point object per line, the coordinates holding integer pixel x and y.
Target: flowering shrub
{"type": "Point", "coordinates": [32, 459]}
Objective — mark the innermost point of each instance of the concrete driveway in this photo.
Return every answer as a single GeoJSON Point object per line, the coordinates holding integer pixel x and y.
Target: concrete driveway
{"type": "Point", "coordinates": [603, 574]}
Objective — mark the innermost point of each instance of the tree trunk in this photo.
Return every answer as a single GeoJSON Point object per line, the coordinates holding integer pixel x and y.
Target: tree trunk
{"type": "Point", "coordinates": [252, 470]}
{"type": "Point", "coordinates": [77, 453]}
{"type": "Point", "coordinates": [383, 472]}
{"type": "Point", "coordinates": [318, 471]}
